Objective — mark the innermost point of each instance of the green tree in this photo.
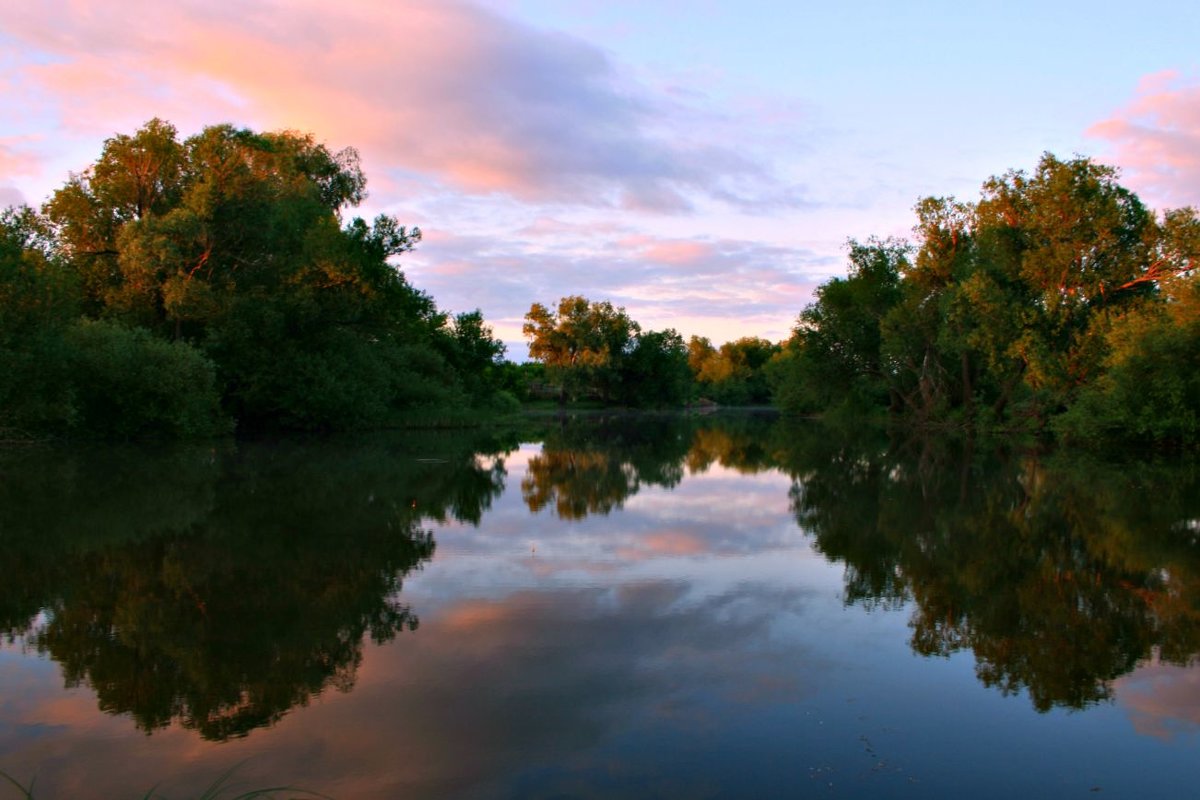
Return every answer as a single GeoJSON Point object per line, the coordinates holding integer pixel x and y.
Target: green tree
{"type": "Point", "coordinates": [928, 365]}
{"type": "Point", "coordinates": [39, 300]}
{"type": "Point", "coordinates": [234, 242]}
{"type": "Point", "coordinates": [837, 357]}
{"type": "Point", "coordinates": [583, 344]}
{"type": "Point", "coordinates": [655, 373]}
{"type": "Point", "coordinates": [476, 354]}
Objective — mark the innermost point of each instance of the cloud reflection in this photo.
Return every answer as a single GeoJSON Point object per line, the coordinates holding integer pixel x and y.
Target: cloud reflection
{"type": "Point", "coordinates": [491, 693]}
{"type": "Point", "coordinates": [1162, 700]}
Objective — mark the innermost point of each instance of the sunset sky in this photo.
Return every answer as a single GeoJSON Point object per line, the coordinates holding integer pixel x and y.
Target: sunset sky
{"type": "Point", "coordinates": [700, 162]}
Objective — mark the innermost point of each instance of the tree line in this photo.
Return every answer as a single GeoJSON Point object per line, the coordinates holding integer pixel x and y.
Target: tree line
{"type": "Point", "coordinates": [185, 287]}
{"type": "Point", "coordinates": [1055, 304]}
{"type": "Point", "coordinates": [593, 350]}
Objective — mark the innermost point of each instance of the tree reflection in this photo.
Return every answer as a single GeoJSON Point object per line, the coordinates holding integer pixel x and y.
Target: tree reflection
{"type": "Point", "coordinates": [1059, 575]}
{"type": "Point", "coordinates": [219, 589]}
{"type": "Point", "coordinates": [592, 465]}
{"type": "Point", "coordinates": [592, 468]}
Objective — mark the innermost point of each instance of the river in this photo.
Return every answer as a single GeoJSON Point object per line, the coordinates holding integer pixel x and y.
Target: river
{"type": "Point", "coordinates": [610, 606]}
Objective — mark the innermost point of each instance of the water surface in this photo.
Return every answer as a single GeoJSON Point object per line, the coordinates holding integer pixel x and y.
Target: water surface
{"type": "Point", "coordinates": [726, 606]}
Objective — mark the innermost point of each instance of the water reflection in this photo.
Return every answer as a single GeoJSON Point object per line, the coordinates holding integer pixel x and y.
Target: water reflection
{"type": "Point", "coordinates": [220, 588]}
{"type": "Point", "coordinates": [1059, 575]}
{"type": "Point", "coordinates": [215, 590]}
{"type": "Point", "coordinates": [592, 468]}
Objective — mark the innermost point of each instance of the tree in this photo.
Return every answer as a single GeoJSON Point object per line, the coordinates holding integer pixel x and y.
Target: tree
{"type": "Point", "coordinates": [837, 341]}
{"type": "Point", "coordinates": [476, 354]}
{"type": "Point", "coordinates": [583, 344]}
{"type": "Point", "coordinates": [1077, 244]}
{"type": "Point", "coordinates": [656, 371]}
{"type": "Point", "coordinates": [233, 242]}
{"type": "Point", "coordinates": [1045, 297]}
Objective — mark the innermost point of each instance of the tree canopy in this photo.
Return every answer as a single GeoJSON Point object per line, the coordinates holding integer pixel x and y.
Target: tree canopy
{"type": "Point", "coordinates": [1057, 301]}
{"type": "Point", "coordinates": [592, 349]}
{"type": "Point", "coordinates": [181, 287]}
{"type": "Point", "coordinates": [231, 246]}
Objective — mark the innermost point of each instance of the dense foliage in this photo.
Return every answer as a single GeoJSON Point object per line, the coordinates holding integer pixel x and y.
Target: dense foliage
{"type": "Point", "coordinates": [220, 266]}
{"type": "Point", "coordinates": [594, 350]}
{"type": "Point", "coordinates": [1057, 302]}
{"type": "Point", "coordinates": [180, 288]}
{"type": "Point", "coordinates": [735, 373]}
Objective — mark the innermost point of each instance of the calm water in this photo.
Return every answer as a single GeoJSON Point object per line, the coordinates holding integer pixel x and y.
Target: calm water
{"type": "Point", "coordinates": [650, 607]}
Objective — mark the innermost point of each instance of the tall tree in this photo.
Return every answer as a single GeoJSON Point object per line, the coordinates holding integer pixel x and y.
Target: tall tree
{"type": "Point", "coordinates": [233, 241]}
{"type": "Point", "coordinates": [837, 341]}
{"type": "Point", "coordinates": [583, 344]}
{"type": "Point", "coordinates": [1013, 308]}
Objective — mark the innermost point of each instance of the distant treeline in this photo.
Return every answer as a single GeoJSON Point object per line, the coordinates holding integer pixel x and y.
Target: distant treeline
{"type": "Point", "coordinates": [185, 288]}
{"type": "Point", "coordinates": [1057, 303]}
{"type": "Point", "coordinates": [593, 351]}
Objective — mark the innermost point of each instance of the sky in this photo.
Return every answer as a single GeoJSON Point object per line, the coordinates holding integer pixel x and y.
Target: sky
{"type": "Point", "coordinates": [701, 163]}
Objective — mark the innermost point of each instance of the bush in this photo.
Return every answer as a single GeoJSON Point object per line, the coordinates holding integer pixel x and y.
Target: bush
{"type": "Point", "coordinates": [503, 402]}
{"type": "Point", "coordinates": [1151, 389]}
{"type": "Point", "coordinates": [127, 384]}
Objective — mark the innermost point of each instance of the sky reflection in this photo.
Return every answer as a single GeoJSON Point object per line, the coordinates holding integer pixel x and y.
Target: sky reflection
{"type": "Point", "coordinates": [690, 642]}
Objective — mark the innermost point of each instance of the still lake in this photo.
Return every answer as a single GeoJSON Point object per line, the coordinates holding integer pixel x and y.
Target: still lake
{"type": "Point", "coordinates": [649, 606]}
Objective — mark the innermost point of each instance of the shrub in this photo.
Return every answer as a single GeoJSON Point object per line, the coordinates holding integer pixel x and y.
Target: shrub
{"type": "Point", "coordinates": [127, 384]}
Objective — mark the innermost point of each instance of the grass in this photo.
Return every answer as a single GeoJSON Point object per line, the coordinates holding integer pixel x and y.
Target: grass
{"type": "Point", "coordinates": [218, 790]}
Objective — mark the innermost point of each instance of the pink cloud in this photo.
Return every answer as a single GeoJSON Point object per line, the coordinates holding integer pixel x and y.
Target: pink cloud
{"type": "Point", "coordinates": [678, 252]}
{"type": "Point", "coordinates": [458, 110]}
{"type": "Point", "coordinates": [1155, 139]}
{"type": "Point", "coordinates": [16, 157]}
{"type": "Point", "coordinates": [721, 288]}
{"type": "Point", "coordinates": [446, 89]}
